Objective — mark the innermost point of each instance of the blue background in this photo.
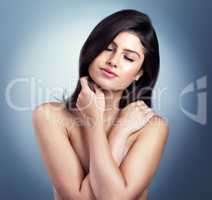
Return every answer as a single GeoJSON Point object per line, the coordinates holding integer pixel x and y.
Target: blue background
{"type": "Point", "coordinates": [40, 44]}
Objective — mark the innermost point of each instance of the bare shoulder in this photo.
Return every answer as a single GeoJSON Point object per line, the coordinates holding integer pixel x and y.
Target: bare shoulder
{"type": "Point", "coordinates": [50, 121]}
{"type": "Point", "coordinates": [158, 121]}
{"type": "Point", "coordinates": [53, 112]}
{"type": "Point", "coordinates": [145, 154]}
{"type": "Point", "coordinates": [156, 125]}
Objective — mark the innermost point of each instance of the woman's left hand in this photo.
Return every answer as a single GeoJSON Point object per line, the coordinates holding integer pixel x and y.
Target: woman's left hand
{"type": "Point", "coordinates": [90, 104]}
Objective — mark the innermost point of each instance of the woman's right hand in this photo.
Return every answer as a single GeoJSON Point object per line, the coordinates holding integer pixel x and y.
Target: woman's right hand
{"type": "Point", "coordinates": [134, 117]}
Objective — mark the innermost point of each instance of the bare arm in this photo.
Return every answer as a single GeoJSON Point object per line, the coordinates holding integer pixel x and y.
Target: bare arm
{"type": "Point", "coordinates": [64, 167]}
{"type": "Point", "coordinates": [116, 145]}
{"type": "Point", "coordinates": [62, 163]}
{"type": "Point", "coordinates": [110, 182]}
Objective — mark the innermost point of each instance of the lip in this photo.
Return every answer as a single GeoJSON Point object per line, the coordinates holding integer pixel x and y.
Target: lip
{"type": "Point", "coordinates": [109, 71]}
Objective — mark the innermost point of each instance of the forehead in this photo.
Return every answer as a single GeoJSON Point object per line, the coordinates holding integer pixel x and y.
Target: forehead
{"type": "Point", "coordinates": [128, 40]}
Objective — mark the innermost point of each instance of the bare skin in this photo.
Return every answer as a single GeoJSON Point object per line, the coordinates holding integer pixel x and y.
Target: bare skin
{"type": "Point", "coordinates": [63, 118]}
{"type": "Point", "coordinates": [71, 121]}
{"type": "Point", "coordinates": [78, 157]}
{"type": "Point", "coordinates": [80, 146]}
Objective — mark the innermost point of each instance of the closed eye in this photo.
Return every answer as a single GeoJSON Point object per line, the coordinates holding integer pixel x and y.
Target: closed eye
{"type": "Point", "coordinates": [127, 58]}
{"type": "Point", "coordinates": [109, 49]}
{"type": "Point", "coordinates": [131, 60]}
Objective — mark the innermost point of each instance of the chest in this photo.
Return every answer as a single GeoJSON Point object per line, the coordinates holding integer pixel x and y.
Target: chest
{"type": "Point", "coordinates": [80, 146]}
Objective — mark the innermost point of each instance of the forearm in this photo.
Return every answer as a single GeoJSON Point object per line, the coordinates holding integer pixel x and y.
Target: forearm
{"type": "Point", "coordinates": [86, 191]}
{"type": "Point", "coordinates": [116, 145]}
{"type": "Point", "coordinates": [105, 177]}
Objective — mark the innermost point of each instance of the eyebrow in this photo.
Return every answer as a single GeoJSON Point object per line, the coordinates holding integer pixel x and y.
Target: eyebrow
{"type": "Point", "coordinates": [129, 50]}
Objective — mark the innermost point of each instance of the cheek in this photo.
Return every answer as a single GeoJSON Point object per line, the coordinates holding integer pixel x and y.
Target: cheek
{"type": "Point", "coordinates": [96, 62]}
{"type": "Point", "coordinates": [129, 72]}
{"type": "Point", "coordinates": [126, 78]}
{"type": "Point", "coordinates": [93, 66]}
{"type": "Point", "coordinates": [127, 75]}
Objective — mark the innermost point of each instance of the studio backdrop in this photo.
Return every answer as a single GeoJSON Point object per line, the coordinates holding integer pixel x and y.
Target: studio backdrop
{"type": "Point", "coordinates": [40, 46]}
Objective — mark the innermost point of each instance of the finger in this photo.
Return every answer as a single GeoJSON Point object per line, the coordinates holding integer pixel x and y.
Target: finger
{"type": "Point", "coordinates": [141, 104]}
{"type": "Point", "coordinates": [97, 88]}
{"type": "Point", "coordinates": [147, 110]}
{"type": "Point", "coordinates": [136, 104]}
{"type": "Point", "coordinates": [149, 115]}
{"type": "Point", "coordinates": [84, 82]}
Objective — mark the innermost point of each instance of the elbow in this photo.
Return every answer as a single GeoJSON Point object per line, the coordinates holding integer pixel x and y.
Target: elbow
{"type": "Point", "coordinates": [112, 195]}
{"type": "Point", "coordinates": [65, 193]}
{"type": "Point", "coordinates": [123, 195]}
{"type": "Point", "coordinates": [114, 192]}
{"type": "Point", "coordinates": [70, 196]}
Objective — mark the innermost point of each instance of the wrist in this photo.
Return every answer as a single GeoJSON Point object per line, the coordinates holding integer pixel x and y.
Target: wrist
{"type": "Point", "coordinates": [122, 127]}
{"type": "Point", "coordinates": [93, 121]}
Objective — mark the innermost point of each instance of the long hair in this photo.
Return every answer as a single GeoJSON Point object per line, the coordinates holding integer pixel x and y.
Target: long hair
{"type": "Point", "coordinates": [105, 31]}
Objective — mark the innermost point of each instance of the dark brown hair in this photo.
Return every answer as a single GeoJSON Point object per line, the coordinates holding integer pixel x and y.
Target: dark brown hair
{"type": "Point", "coordinates": [105, 31]}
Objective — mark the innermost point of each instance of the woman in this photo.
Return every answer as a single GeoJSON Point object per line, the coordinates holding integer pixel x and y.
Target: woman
{"type": "Point", "coordinates": [105, 141]}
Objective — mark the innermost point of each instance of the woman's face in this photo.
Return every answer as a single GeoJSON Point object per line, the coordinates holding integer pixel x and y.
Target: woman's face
{"type": "Point", "coordinates": [123, 56]}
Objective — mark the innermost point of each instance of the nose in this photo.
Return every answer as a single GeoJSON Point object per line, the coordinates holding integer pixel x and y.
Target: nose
{"type": "Point", "coordinates": [113, 60]}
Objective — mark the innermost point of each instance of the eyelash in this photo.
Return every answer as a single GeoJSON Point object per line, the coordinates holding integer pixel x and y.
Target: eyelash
{"type": "Point", "coordinates": [131, 60]}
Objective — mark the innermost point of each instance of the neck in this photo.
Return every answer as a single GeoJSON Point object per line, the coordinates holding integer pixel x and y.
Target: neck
{"type": "Point", "coordinates": [112, 100]}
{"type": "Point", "coordinates": [111, 105]}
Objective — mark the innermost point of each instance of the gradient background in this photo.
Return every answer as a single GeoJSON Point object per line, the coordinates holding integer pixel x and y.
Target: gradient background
{"type": "Point", "coordinates": [40, 44]}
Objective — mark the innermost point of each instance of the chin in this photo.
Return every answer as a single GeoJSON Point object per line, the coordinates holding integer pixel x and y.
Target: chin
{"type": "Point", "coordinates": [105, 85]}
